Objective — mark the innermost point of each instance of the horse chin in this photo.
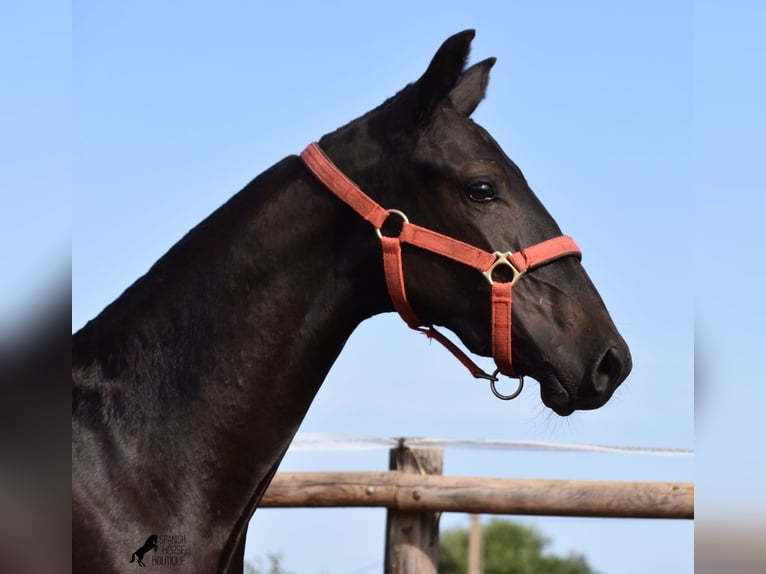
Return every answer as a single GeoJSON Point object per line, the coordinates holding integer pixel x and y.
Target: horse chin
{"type": "Point", "coordinates": [555, 396]}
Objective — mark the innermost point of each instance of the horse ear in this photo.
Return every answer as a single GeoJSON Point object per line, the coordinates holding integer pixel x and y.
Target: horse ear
{"type": "Point", "coordinates": [443, 72]}
{"type": "Point", "coordinates": [471, 87]}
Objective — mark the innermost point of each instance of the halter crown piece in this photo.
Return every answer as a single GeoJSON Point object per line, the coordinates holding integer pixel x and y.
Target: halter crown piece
{"type": "Point", "coordinates": [519, 263]}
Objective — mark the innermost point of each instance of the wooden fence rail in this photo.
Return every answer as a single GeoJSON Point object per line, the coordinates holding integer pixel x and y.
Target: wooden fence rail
{"type": "Point", "coordinates": [436, 493]}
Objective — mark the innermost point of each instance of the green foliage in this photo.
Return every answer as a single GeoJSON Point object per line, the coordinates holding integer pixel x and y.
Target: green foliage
{"type": "Point", "coordinates": [507, 548]}
{"type": "Point", "coordinates": [274, 566]}
{"type": "Point", "coordinates": [453, 551]}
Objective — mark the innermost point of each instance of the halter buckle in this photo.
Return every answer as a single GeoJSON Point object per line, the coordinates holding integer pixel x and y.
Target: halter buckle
{"type": "Point", "coordinates": [503, 259]}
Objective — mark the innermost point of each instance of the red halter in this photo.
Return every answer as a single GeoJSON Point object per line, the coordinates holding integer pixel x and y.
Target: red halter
{"type": "Point", "coordinates": [519, 263]}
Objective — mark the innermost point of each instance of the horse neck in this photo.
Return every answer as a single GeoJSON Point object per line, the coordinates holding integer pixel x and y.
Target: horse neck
{"type": "Point", "coordinates": [218, 351]}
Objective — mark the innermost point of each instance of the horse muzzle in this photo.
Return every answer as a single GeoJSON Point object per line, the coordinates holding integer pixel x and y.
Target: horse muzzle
{"type": "Point", "coordinates": [564, 394]}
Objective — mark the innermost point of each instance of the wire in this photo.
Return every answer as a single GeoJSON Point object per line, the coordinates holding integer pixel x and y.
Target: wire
{"type": "Point", "coordinates": [341, 442]}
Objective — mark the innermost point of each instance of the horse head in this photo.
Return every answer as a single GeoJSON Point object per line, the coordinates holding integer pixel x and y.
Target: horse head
{"type": "Point", "coordinates": [421, 153]}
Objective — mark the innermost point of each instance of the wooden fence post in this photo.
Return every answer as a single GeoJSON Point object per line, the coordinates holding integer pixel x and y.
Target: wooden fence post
{"type": "Point", "coordinates": [412, 538]}
{"type": "Point", "coordinates": [474, 546]}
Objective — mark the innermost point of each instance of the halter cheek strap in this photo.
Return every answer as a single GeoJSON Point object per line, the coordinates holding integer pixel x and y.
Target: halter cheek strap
{"type": "Point", "coordinates": [502, 291]}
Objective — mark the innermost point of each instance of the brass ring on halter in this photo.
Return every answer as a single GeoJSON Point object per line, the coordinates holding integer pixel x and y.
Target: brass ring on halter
{"type": "Point", "coordinates": [391, 212]}
{"type": "Point", "coordinates": [500, 395]}
{"type": "Point", "coordinates": [503, 259]}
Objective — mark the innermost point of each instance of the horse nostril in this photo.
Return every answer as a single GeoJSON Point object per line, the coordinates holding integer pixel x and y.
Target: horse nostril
{"type": "Point", "coordinates": [608, 372]}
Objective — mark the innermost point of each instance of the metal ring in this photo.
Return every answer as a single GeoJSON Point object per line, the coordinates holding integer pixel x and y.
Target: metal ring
{"type": "Point", "coordinates": [503, 259]}
{"type": "Point", "coordinates": [391, 212]}
{"type": "Point", "coordinates": [501, 396]}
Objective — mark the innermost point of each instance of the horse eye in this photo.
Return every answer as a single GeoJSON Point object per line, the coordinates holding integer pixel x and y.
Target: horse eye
{"type": "Point", "coordinates": [480, 191]}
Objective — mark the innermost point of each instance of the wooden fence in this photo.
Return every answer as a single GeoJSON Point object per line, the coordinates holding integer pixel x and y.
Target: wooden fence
{"type": "Point", "coordinates": [415, 494]}
{"type": "Point", "coordinates": [426, 493]}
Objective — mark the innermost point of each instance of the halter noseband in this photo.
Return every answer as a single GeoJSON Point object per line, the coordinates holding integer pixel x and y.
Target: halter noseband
{"type": "Point", "coordinates": [519, 263]}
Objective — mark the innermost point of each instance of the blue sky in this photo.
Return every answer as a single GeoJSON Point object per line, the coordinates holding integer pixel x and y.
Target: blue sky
{"type": "Point", "coordinates": [612, 110]}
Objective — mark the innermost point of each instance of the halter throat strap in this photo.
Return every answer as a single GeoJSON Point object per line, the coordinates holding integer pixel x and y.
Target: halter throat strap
{"type": "Point", "coordinates": [483, 261]}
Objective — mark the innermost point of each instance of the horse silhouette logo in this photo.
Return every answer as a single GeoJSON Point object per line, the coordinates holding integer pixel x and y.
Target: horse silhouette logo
{"type": "Point", "coordinates": [150, 544]}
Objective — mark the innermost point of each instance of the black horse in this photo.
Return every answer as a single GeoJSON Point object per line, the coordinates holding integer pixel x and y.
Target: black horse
{"type": "Point", "coordinates": [218, 351]}
{"type": "Point", "coordinates": [150, 544]}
